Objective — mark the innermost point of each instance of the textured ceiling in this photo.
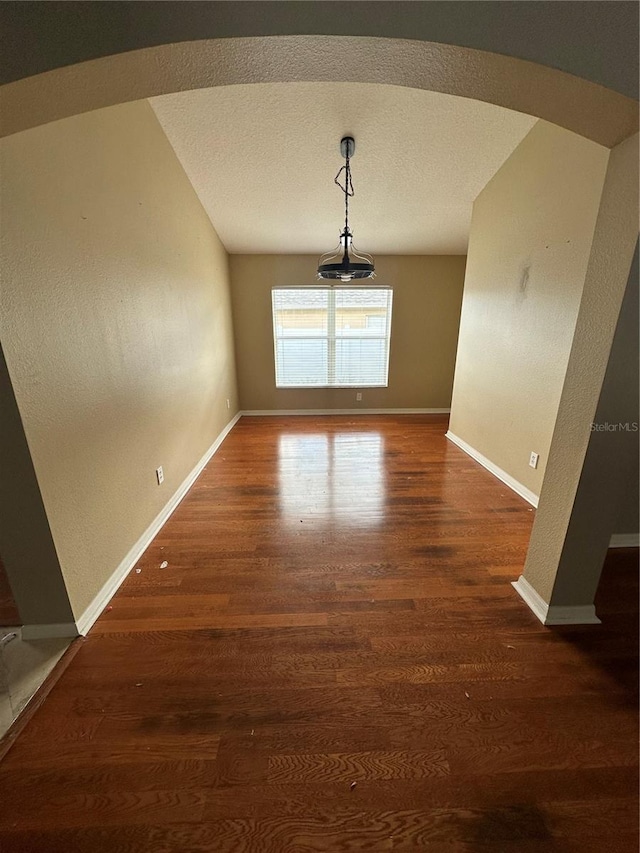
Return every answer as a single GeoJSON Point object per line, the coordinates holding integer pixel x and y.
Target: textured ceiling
{"type": "Point", "coordinates": [262, 159]}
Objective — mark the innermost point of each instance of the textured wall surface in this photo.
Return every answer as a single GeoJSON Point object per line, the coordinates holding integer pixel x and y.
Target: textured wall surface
{"type": "Point", "coordinates": [116, 326]}
{"type": "Point", "coordinates": [426, 313]}
{"type": "Point", "coordinates": [531, 234]}
{"type": "Point", "coordinates": [595, 40]}
{"type": "Point", "coordinates": [606, 499]}
{"type": "Point", "coordinates": [571, 102]}
{"type": "Point", "coordinates": [550, 550]}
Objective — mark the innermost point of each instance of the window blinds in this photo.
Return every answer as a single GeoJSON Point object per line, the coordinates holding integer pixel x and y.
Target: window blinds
{"type": "Point", "coordinates": [331, 337]}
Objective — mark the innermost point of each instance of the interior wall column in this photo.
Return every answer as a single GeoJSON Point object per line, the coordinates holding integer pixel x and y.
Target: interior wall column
{"type": "Point", "coordinates": [26, 544]}
{"type": "Point", "coordinates": [572, 529]}
{"type": "Point", "coordinates": [611, 461]}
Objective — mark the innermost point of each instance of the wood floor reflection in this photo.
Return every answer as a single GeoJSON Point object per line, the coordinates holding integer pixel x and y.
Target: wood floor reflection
{"type": "Point", "coordinates": [334, 659]}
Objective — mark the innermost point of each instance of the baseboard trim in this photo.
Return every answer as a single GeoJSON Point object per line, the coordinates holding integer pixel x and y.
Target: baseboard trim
{"type": "Point", "coordinates": [275, 412]}
{"type": "Point", "coordinates": [507, 479]}
{"type": "Point", "coordinates": [554, 615]}
{"type": "Point", "coordinates": [625, 540]}
{"type": "Point", "coordinates": [49, 631]}
{"type": "Point", "coordinates": [88, 618]}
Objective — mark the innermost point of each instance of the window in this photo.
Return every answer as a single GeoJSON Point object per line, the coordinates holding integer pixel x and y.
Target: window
{"type": "Point", "coordinates": [331, 337]}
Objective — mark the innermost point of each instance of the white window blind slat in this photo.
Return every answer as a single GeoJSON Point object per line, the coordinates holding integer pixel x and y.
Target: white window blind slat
{"type": "Point", "coordinates": [325, 337]}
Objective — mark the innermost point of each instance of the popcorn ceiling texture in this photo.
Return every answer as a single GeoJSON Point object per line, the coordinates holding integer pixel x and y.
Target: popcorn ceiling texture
{"type": "Point", "coordinates": [264, 170]}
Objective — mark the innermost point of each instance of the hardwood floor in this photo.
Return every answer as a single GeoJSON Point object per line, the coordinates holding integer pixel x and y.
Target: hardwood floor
{"type": "Point", "coordinates": [334, 659]}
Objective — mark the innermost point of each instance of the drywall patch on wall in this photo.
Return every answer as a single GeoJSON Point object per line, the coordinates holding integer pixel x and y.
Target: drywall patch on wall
{"type": "Point", "coordinates": [116, 326]}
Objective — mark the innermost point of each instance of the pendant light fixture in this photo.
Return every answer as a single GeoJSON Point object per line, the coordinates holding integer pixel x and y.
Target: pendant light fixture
{"type": "Point", "coordinates": [345, 263]}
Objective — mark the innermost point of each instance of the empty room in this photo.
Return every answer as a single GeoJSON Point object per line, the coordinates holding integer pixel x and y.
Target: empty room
{"type": "Point", "coordinates": [319, 450]}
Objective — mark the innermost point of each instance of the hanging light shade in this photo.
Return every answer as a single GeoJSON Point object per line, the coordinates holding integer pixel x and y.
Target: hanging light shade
{"type": "Point", "coordinates": [345, 263]}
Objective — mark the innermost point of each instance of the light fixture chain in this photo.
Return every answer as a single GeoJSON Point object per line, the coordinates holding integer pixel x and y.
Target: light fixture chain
{"type": "Point", "coordinates": [347, 189]}
{"type": "Point", "coordinates": [347, 181]}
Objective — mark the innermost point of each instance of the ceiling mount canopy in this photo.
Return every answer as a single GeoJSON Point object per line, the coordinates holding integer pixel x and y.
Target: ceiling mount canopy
{"type": "Point", "coordinates": [344, 263]}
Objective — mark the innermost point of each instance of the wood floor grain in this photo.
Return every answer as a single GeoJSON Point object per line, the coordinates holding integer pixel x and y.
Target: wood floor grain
{"type": "Point", "coordinates": [333, 659]}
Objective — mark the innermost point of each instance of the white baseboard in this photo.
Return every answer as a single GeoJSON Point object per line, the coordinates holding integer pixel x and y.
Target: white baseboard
{"type": "Point", "coordinates": [507, 479]}
{"type": "Point", "coordinates": [625, 540]}
{"type": "Point", "coordinates": [554, 615]}
{"type": "Point", "coordinates": [48, 632]}
{"type": "Point", "coordinates": [529, 595]}
{"type": "Point", "coordinates": [87, 619]}
{"type": "Point", "coordinates": [275, 412]}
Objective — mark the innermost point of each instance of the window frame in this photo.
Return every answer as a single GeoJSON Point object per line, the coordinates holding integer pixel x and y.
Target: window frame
{"type": "Point", "coordinates": [330, 336]}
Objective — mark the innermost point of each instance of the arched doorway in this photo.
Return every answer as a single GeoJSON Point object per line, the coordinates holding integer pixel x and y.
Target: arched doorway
{"type": "Point", "coordinates": [599, 114]}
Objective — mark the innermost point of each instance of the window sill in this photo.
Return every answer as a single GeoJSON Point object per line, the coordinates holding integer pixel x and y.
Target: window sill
{"type": "Point", "coordinates": [326, 387]}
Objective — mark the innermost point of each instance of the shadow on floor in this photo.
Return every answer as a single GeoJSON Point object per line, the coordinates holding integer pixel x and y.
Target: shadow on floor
{"type": "Point", "coordinates": [613, 646]}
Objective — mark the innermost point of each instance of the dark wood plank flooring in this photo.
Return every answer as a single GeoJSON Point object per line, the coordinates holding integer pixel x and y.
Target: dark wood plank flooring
{"type": "Point", "coordinates": [334, 659]}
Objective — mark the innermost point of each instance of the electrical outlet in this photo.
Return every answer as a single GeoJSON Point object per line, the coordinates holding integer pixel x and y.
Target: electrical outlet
{"type": "Point", "coordinates": [228, 404]}
{"type": "Point", "coordinates": [159, 475]}
{"type": "Point", "coordinates": [533, 459]}
{"type": "Point", "coordinates": [359, 397]}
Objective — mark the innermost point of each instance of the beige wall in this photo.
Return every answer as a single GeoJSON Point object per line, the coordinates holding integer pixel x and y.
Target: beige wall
{"type": "Point", "coordinates": [426, 311]}
{"type": "Point", "coordinates": [116, 327]}
{"type": "Point", "coordinates": [531, 234]}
